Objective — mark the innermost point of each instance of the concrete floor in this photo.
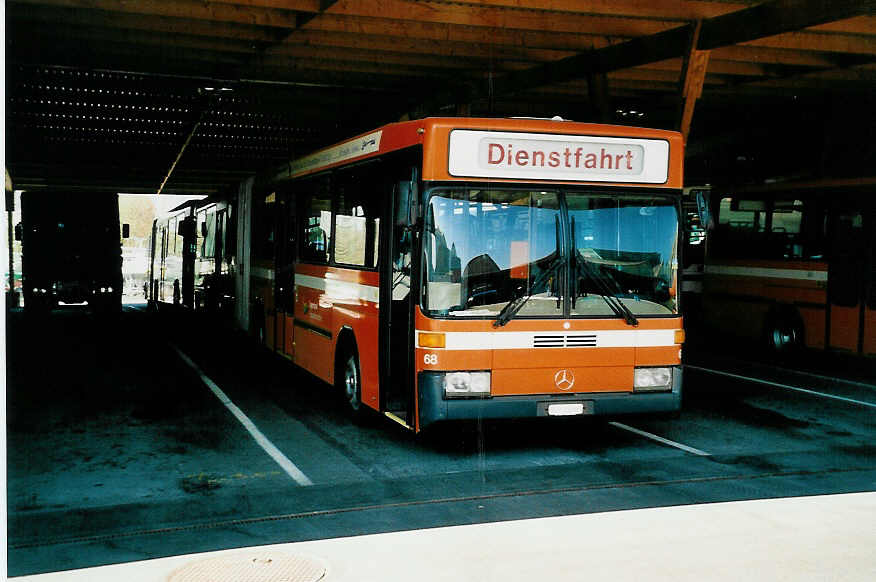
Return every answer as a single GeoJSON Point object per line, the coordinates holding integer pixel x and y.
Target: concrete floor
{"type": "Point", "coordinates": [119, 452]}
{"type": "Point", "coordinates": [751, 540]}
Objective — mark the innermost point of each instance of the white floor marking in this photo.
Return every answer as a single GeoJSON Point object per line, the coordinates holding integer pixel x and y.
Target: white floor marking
{"type": "Point", "coordinates": [821, 377]}
{"type": "Point", "coordinates": [294, 472]}
{"type": "Point", "coordinates": [785, 386]}
{"type": "Point", "coordinates": [660, 439]}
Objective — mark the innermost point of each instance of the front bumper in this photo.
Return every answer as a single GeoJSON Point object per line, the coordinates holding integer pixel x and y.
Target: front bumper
{"type": "Point", "coordinates": [433, 407]}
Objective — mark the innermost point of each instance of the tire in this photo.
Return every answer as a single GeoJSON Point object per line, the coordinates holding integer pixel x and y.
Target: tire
{"type": "Point", "coordinates": [784, 334]}
{"type": "Point", "coordinates": [349, 380]}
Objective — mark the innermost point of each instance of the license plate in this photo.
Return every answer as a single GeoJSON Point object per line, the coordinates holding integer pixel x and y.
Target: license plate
{"type": "Point", "coordinates": [565, 409]}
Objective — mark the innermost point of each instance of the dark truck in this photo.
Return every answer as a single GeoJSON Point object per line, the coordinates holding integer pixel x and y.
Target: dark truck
{"type": "Point", "coordinates": [71, 249]}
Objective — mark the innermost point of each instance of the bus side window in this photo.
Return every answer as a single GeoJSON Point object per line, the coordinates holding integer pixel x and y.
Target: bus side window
{"type": "Point", "coordinates": [785, 230]}
{"type": "Point", "coordinates": [360, 194]}
{"type": "Point", "coordinates": [350, 220]}
{"type": "Point", "coordinates": [741, 227]}
{"type": "Point", "coordinates": [316, 221]}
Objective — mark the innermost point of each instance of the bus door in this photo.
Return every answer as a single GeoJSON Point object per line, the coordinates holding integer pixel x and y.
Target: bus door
{"type": "Point", "coordinates": [846, 280]}
{"type": "Point", "coordinates": [396, 329]}
{"type": "Point", "coordinates": [284, 281]}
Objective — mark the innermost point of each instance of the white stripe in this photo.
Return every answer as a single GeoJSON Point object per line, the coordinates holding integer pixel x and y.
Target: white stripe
{"type": "Point", "coordinates": [660, 439]}
{"type": "Point", "coordinates": [831, 379]}
{"type": "Point", "coordinates": [692, 286]}
{"type": "Point", "coordinates": [297, 475]}
{"type": "Point", "coordinates": [785, 386]}
{"type": "Point", "coordinates": [516, 340]}
{"type": "Point", "coordinates": [354, 148]}
{"type": "Point", "coordinates": [798, 274]}
{"type": "Point", "coordinates": [343, 290]}
{"type": "Point", "coordinates": [262, 273]}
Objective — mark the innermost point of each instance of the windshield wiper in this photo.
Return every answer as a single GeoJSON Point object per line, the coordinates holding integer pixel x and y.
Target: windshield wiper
{"type": "Point", "coordinates": [513, 306]}
{"type": "Point", "coordinates": [614, 302]}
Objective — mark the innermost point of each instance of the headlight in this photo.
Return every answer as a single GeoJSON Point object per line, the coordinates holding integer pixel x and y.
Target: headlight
{"type": "Point", "coordinates": [466, 384]}
{"type": "Point", "coordinates": [652, 379]}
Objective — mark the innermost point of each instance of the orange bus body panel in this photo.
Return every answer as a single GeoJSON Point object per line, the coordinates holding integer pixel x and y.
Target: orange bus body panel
{"type": "Point", "coordinates": [802, 284]}
{"type": "Point", "coordinates": [844, 327]}
{"type": "Point", "coordinates": [329, 300]}
{"type": "Point", "coordinates": [527, 371]}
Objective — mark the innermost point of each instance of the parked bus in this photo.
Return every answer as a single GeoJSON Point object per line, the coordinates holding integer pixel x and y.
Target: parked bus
{"type": "Point", "coordinates": [193, 256]}
{"type": "Point", "coordinates": [172, 258]}
{"type": "Point", "coordinates": [459, 268]}
{"type": "Point", "coordinates": [792, 265]}
{"type": "Point", "coordinates": [71, 249]}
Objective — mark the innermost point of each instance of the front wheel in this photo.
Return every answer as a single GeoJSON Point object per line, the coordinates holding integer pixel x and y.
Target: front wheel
{"type": "Point", "coordinates": [350, 382]}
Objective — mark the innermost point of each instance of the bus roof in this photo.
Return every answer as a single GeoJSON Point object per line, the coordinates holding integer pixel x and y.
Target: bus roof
{"type": "Point", "coordinates": [529, 150]}
{"type": "Point", "coordinates": [797, 185]}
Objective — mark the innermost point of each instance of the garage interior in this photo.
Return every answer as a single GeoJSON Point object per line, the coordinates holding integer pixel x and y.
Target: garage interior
{"type": "Point", "coordinates": [189, 97]}
{"type": "Point", "coordinates": [120, 450]}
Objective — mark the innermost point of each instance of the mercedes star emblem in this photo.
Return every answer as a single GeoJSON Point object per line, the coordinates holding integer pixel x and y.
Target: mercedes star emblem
{"type": "Point", "coordinates": [564, 379]}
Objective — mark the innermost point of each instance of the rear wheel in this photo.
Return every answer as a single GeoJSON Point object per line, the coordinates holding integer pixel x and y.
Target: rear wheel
{"type": "Point", "coordinates": [784, 334]}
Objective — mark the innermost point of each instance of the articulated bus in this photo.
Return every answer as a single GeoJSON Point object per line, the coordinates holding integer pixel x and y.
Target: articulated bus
{"type": "Point", "coordinates": [461, 268]}
{"type": "Point", "coordinates": [792, 265]}
{"type": "Point", "coordinates": [192, 256]}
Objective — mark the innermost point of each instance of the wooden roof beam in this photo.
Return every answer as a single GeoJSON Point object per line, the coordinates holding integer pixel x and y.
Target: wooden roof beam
{"type": "Point", "coordinates": [286, 17]}
{"type": "Point", "coordinates": [685, 10]}
{"type": "Point", "coordinates": [768, 19]}
{"type": "Point", "coordinates": [420, 46]}
{"type": "Point", "coordinates": [400, 15]}
{"type": "Point", "coordinates": [777, 17]}
{"type": "Point", "coordinates": [447, 33]}
{"type": "Point", "coordinates": [63, 16]}
{"type": "Point", "coordinates": [818, 42]}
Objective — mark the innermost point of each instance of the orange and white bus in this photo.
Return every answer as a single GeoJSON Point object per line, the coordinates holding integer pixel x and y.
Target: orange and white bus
{"type": "Point", "coordinates": [792, 265]}
{"type": "Point", "coordinates": [463, 268]}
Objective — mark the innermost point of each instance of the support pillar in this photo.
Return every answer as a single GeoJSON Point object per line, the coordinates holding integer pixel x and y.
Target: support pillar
{"type": "Point", "coordinates": [597, 92]}
{"type": "Point", "coordinates": [12, 298]}
{"type": "Point", "coordinates": [693, 75]}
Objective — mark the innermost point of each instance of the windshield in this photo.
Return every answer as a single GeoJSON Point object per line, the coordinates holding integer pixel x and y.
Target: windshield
{"type": "Point", "coordinates": [486, 248]}
{"type": "Point", "coordinates": [625, 246]}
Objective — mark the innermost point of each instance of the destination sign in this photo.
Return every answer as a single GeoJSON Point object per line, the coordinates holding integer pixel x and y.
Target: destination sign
{"type": "Point", "coordinates": [490, 154]}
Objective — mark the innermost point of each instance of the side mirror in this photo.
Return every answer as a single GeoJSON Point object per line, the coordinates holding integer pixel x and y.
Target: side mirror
{"type": "Point", "coordinates": [407, 212]}
{"type": "Point", "coordinates": [703, 201]}
{"type": "Point", "coordinates": [403, 204]}
{"type": "Point", "coordinates": [18, 232]}
{"type": "Point", "coordinates": [204, 229]}
{"type": "Point", "coordinates": [126, 230]}
{"type": "Point", "coordinates": [186, 227]}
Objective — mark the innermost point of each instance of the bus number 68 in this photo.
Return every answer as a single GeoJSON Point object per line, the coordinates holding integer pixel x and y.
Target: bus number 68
{"type": "Point", "coordinates": [430, 359]}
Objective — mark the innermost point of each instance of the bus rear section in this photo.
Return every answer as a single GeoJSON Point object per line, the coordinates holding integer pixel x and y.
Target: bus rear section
{"type": "Point", "coordinates": [458, 268]}
{"type": "Point", "coordinates": [792, 265]}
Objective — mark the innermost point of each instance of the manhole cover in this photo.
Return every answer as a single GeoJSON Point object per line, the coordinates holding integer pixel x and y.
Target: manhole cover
{"type": "Point", "coordinates": [251, 568]}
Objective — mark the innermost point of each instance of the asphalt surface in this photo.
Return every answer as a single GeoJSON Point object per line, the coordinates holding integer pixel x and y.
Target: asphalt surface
{"type": "Point", "coordinates": [119, 450]}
